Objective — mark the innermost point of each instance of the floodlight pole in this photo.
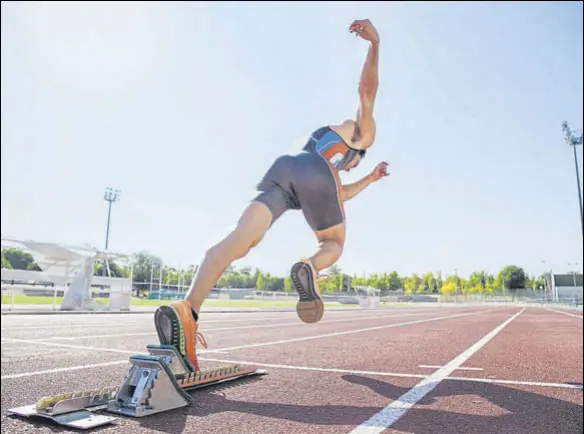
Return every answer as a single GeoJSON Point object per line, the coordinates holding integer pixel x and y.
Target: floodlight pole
{"type": "Point", "coordinates": [110, 196]}
{"type": "Point", "coordinates": [575, 140]}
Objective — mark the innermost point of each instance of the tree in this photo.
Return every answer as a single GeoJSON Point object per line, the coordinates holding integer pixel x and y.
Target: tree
{"type": "Point", "coordinates": [261, 282]}
{"type": "Point", "coordinates": [439, 281]}
{"type": "Point", "coordinates": [359, 281]}
{"type": "Point", "coordinates": [115, 270]}
{"type": "Point", "coordinates": [494, 285]}
{"type": "Point", "coordinates": [5, 262]}
{"type": "Point", "coordinates": [412, 284]}
{"type": "Point", "coordinates": [374, 280]}
{"type": "Point", "coordinates": [188, 274]}
{"type": "Point", "coordinates": [334, 270]}
{"type": "Point", "coordinates": [18, 260]}
{"type": "Point", "coordinates": [145, 264]}
{"type": "Point", "coordinates": [480, 282]}
{"type": "Point", "coordinates": [269, 281]}
{"type": "Point", "coordinates": [454, 281]}
{"type": "Point", "coordinates": [513, 277]}
{"type": "Point", "coordinates": [382, 283]}
{"type": "Point", "coordinates": [394, 282]}
{"type": "Point", "coordinates": [476, 279]}
{"type": "Point", "coordinates": [277, 284]}
{"type": "Point", "coordinates": [329, 284]}
{"type": "Point", "coordinates": [535, 283]}
{"type": "Point", "coordinates": [429, 282]}
{"type": "Point", "coordinates": [474, 289]}
{"type": "Point", "coordinates": [288, 284]}
{"type": "Point", "coordinates": [448, 288]}
{"type": "Point", "coordinates": [538, 283]}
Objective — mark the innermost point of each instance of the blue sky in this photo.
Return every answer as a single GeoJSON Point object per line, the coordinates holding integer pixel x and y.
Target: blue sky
{"type": "Point", "coordinates": [183, 106]}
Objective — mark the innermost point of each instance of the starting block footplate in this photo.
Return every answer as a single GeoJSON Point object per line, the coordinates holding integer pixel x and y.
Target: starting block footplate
{"type": "Point", "coordinates": [80, 419]}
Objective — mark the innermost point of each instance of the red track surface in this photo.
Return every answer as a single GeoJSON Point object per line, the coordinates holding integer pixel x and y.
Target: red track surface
{"type": "Point", "coordinates": [526, 379]}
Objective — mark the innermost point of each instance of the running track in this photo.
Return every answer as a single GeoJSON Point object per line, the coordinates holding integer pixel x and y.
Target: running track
{"type": "Point", "coordinates": [423, 369]}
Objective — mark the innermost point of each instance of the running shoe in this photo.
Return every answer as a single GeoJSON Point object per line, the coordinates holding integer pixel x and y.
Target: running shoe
{"type": "Point", "coordinates": [175, 325]}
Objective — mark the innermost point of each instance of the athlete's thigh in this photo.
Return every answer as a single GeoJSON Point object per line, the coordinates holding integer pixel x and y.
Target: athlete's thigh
{"type": "Point", "coordinates": [319, 195]}
{"type": "Point", "coordinates": [275, 190]}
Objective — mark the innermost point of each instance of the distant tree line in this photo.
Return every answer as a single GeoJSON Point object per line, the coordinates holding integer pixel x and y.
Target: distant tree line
{"type": "Point", "coordinates": [147, 269]}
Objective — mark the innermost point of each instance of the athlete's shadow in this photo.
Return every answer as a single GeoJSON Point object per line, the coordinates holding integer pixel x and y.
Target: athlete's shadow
{"type": "Point", "coordinates": [487, 408]}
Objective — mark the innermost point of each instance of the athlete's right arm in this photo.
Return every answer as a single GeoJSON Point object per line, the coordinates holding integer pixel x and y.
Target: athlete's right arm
{"type": "Point", "coordinates": [368, 85]}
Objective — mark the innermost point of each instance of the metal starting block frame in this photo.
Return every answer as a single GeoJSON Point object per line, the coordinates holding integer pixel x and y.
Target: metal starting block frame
{"type": "Point", "coordinates": [71, 409]}
{"type": "Point", "coordinates": [155, 383]}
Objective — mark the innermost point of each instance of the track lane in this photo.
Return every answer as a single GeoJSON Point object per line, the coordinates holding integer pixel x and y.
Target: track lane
{"type": "Point", "coordinates": [538, 346]}
{"type": "Point", "coordinates": [301, 401]}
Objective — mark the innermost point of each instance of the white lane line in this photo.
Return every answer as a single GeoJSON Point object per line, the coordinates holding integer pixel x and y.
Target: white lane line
{"type": "Point", "coordinates": [394, 374]}
{"type": "Point", "coordinates": [345, 316]}
{"type": "Point", "coordinates": [384, 419]}
{"type": "Point", "coordinates": [148, 320]}
{"type": "Point", "coordinates": [565, 313]}
{"type": "Point", "coordinates": [328, 335]}
{"type": "Point", "coordinates": [72, 368]}
{"type": "Point", "coordinates": [143, 320]}
{"type": "Point", "coordinates": [519, 383]}
{"type": "Point", "coordinates": [310, 368]}
{"type": "Point", "coordinates": [203, 330]}
{"type": "Point", "coordinates": [462, 368]}
{"type": "Point", "coordinates": [79, 347]}
{"type": "Point", "coordinates": [70, 326]}
{"type": "Point", "coordinates": [261, 344]}
{"type": "Point", "coordinates": [115, 335]}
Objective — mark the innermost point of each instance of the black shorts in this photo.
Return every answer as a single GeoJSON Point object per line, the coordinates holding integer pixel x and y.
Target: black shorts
{"type": "Point", "coordinates": [307, 182]}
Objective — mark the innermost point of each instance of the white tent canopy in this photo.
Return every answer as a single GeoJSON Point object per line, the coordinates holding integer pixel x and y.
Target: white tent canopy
{"type": "Point", "coordinates": [71, 267]}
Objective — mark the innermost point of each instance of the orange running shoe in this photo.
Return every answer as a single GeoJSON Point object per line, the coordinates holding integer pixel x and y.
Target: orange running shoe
{"type": "Point", "coordinates": [310, 307]}
{"type": "Point", "coordinates": [175, 325]}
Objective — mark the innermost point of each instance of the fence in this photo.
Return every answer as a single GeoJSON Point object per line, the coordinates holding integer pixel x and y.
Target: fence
{"type": "Point", "coordinates": [519, 296]}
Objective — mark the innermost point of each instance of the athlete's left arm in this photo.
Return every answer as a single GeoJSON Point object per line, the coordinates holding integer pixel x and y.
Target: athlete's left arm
{"type": "Point", "coordinates": [365, 128]}
{"type": "Point", "coordinates": [352, 190]}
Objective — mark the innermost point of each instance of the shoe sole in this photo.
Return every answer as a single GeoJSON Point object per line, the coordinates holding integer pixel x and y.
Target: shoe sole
{"type": "Point", "coordinates": [169, 314]}
{"type": "Point", "coordinates": [310, 307]}
{"type": "Point", "coordinates": [178, 335]}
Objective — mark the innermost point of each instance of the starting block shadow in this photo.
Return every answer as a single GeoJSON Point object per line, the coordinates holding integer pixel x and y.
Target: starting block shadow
{"type": "Point", "coordinates": [205, 402]}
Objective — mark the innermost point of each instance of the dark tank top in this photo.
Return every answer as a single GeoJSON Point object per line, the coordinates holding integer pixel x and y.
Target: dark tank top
{"type": "Point", "coordinates": [331, 146]}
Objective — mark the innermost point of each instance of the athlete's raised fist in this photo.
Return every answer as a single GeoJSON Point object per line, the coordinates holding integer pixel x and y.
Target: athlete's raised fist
{"type": "Point", "coordinates": [365, 29]}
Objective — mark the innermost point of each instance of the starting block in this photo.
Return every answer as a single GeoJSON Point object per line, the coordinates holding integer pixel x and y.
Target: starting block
{"type": "Point", "coordinates": [155, 383]}
{"type": "Point", "coordinates": [71, 409]}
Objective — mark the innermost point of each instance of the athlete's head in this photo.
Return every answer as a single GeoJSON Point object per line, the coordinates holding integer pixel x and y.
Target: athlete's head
{"type": "Point", "coordinates": [355, 160]}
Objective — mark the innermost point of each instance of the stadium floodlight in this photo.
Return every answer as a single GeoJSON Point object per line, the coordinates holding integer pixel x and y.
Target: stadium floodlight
{"type": "Point", "coordinates": [111, 196]}
{"type": "Point", "coordinates": [573, 139]}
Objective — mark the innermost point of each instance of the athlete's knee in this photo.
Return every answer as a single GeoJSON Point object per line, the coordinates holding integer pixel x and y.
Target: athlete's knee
{"type": "Point", "coordinates": [246, 243]}
{"type": "Point", "coordinates": [246, 234]}
{"type": "Point", "coordinates": [255, 242]}
{"type": "Point", "coordinates": [231, 247]}
{"type": "Point", "coordinates": [242, 240]}
{"type": "Point", "coordinates": [333, 243]}
{"type": "Point", "coordinates": [335, 246]}
{"type": "Point", "coordinates": [334, 238]}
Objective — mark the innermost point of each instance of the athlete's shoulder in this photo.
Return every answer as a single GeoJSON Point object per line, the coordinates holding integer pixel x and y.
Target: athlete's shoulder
{"type": "Point", "coordinates": [347, 130]}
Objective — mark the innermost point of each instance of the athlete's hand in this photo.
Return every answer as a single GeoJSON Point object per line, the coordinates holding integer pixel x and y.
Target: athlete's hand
{"type": "Point", "coordinates": [365, 29]}
{"type": "Point", "coordinates": [379, 172]}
